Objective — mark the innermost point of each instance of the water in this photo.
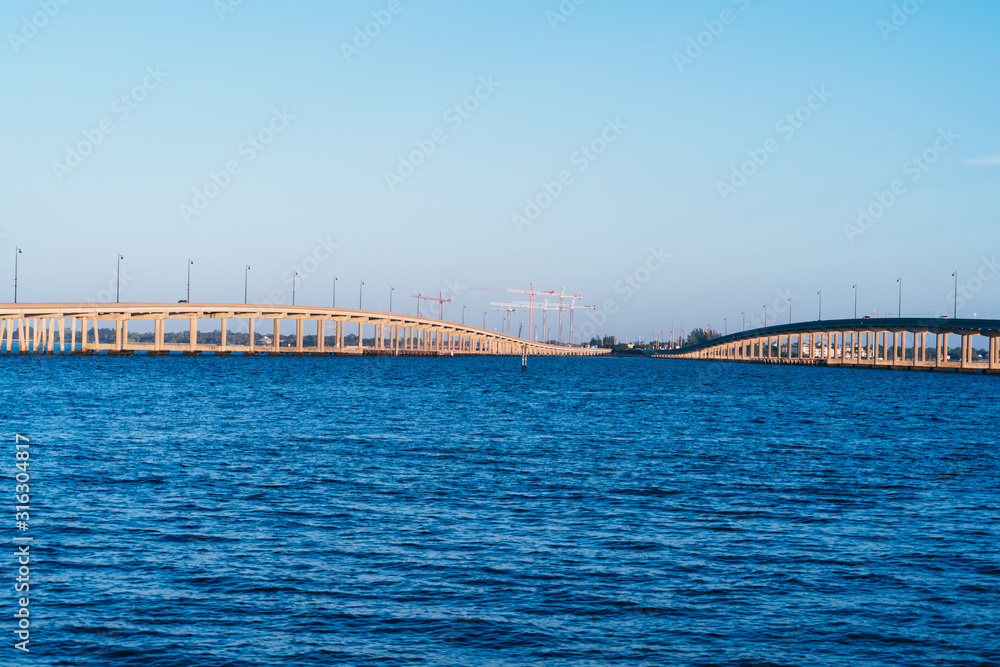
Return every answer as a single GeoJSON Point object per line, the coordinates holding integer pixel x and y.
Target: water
{"type": "Point", "coordinates": [321, 511]}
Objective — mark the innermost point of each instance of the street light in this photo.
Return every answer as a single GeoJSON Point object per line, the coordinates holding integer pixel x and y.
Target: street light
{"type": "Point", "coordinates": [463, 314]}
{"type": "Point", "coordinates": [391, 290]}
{"type": "Point", "coordinates": [361, 291]}
{"type": "Point", "coordinates": [744, 320]}
{"type": "Point", "coordinates": [789, 311]}
{"type": "Point", "coordinates": [189, 281]}
{"type": "Point", "coordinates": [246, 282]}
{"type": "Point", "coordinates": [765, 316]}
{"type": "Point", "coordinates": [484, 319]}
{"type": "Point", "coordinates": [725, 323]}
{"type": "Point", "coordinates": [956, 294]}
{"type": "Point", "coordinates": [335, 291]}
{"type": "Point", "coordinates": [295, 274]}
{"type": "Point", "coordinates": [118, 278]}
{"type": "Point", "coordinates": [17, 251]}
{"type": "Point", "coordinates": [855, 301]}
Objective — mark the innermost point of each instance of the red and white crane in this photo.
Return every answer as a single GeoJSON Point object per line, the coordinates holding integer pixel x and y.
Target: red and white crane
{"type": "Point", "coordinates": [440, 300]}
{"type": "Point", "coordinates": [531, 292]}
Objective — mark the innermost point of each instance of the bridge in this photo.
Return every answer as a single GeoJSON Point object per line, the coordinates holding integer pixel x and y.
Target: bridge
{"type": "Point", "coordinates": [895, 343]}
{"type": "Point", "coordinates": [61, 328]}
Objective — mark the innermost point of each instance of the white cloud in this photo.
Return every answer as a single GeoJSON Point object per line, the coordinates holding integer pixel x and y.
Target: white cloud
{"type": "Point", "coordinates": [990, 161]}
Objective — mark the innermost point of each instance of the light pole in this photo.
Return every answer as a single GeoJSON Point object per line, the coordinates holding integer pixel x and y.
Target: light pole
{"type": "Point", "coordinates": [820, 293]}
{"type": "Point", "coordinates": [335, 291]}
{"type": "Point", "coordinates": [17, 251]}
{"type": "Point", "coordinates": [899, 312]}
{"type": "Point", "coordinates": [484, 319]}
{"type": "Point", "coordinates": [463, 314]}
{"type": "Point", "coordinates": [189, 281]}
{"type": "Point", "coordinates": [295, 274]}
{"type": "Point", "coordinates": [391, 290]}
{"type": "Point", "coordinates": [744, 320]}
{"type": "Point", "coordinates": [118, 279]}
{"type": "Point", "coordinates": [725, 324]}
{"type": "Point", "coordinates": [246, 282]}
{"type": "Point", "coordinates": [361, 292]}
{"type": "Point", "coordinates": [956, 294]}
{"type": "Point", "coordinates": [855, 301]}
{"type": "Point", "coordinates": [765, 316]}
{"type": "Point", "coordinates": [789, 312]}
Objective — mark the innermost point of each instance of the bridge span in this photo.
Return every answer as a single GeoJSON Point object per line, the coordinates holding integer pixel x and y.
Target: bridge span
{"type": "Point", "coordinates": [61, 328]}
{"type": "Point", "coordinates": [897, 343]}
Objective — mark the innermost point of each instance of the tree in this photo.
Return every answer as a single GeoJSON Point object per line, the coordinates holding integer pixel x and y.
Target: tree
{"type": "Point", "coordinates": [700, 336]}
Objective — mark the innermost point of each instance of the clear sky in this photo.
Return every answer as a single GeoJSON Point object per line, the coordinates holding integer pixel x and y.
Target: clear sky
{"type": "Point", "coordinates": [740, 138]}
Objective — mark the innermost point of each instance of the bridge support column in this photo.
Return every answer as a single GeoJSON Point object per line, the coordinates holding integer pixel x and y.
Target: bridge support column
{"type": "Point", "coordinates": [320, 336]}
{"type": "Point", "coordinates": [224, 340]}
{"type": "Point", "coordinates": [298, 335]}
{"type": "Point", "coordinates": [158, 334]}
{"type": "Point", "coordinates": [276, 342]}
{"type": "Point", "coordinates": [118, 335]}
{"type": "Point", "coordinates": [193, 337]}
{"type": "Point", "coordinates": [253, 335]}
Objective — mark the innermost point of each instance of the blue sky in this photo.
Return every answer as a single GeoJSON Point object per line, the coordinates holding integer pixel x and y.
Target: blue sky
{"type": "Point", "coordinates": [669, 129]}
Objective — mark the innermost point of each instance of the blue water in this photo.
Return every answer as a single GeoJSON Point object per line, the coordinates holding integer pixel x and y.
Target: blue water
{"type": "Point", "coordinates": [386, 511]}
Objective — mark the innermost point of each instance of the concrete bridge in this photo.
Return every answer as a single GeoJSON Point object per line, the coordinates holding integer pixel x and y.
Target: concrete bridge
{"type": "Point", "coordinates": [898, 343]}
{"type": "Point", "coordinates": [51, 328]}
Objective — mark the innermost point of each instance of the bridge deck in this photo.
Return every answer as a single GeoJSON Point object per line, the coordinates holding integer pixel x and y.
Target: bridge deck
{"type": "Point", "coordinates": [895, 343]}
{"type": "Point", "coordinates": [51, 327]}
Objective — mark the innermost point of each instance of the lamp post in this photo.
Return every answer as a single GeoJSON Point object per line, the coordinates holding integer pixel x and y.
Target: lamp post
{"type": "Point", "coordinates": [463, 314]}
{"type": "Point", "coordinates": [765, 316]}
{"type": "Point", "coordinates": [956, 294]}
{"type": "Point", "coordinates": [744, 320]}
{"type": "Point", "coordinates": [855, 301]}
{"type": "Point", "coordinates": [725, 324]}
{"type": "Point", "coordinates": [335, 291]}
{"type": "Point", "coordinates": [189, 281]}
{"type": "Point", "coordinates": [17, 251]}
{"type": "Point", "coordinates": [391, 290]}
{"type": "Point", "coordinates": [789, 311]}
{"type": "Point", "coordinates": [246, 282]}
{"type": "Point", "coordinates": [295, 274]}
{"type": "Point", "coordinates": [484, 319]}
{"type": "Point", "coordinates": [118, 279]}
{"type": "Point", "coordinates": [361, 292]}
{"type": "Point", "coordinates": [820, 293]}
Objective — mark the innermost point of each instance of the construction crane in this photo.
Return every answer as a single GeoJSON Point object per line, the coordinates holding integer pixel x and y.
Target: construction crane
{"type": "Point", "coordinates": [531, 292]}
{"type": "Point", "coordinates": [440, 300]}
{"type": "Point", "coordinates": [504, 307]}
{"type": "Point", "coordinates": [572, 308]}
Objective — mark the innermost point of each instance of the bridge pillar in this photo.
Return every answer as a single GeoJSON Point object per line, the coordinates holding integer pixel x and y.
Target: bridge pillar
{"type": "Point", "coordinates": [253, 335]}
{"type": "Point", "coordinates": [158, 334]}
{"type": "Point", "coordinates": [298, 334]}
{"type": "Point", "coordinates": [225, 334]}
{"type": "Point", "coordinates": [276, 342]}
{"type": "Point", "coordinates": [193, 337]}
{"type": "Point", "coordinates": [320, 336]}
